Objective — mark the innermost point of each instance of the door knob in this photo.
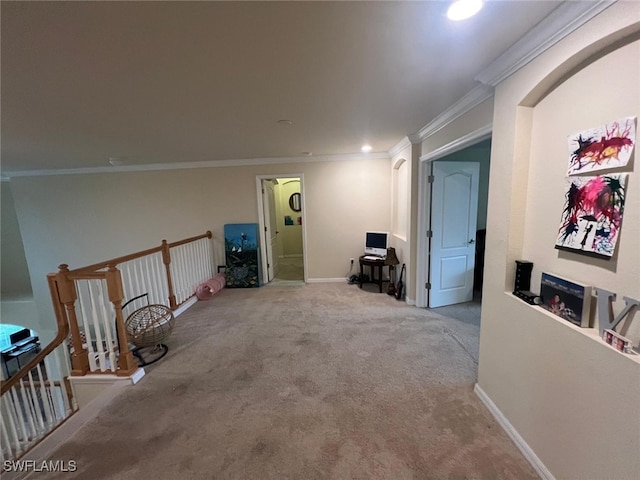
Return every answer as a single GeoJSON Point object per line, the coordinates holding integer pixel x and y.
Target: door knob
{"type": "Point", "coordinates": [472, 241]}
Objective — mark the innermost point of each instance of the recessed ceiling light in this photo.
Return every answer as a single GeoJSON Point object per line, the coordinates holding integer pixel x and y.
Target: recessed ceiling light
{"type": "Point", "coordinates": [307, 154]}
{"type": "Point", "coordinates": [285, 122]}
{"type": "Point", "coordinates": [116, 161]}
{"type": "Point", "coordinates": [462, 9]}
{"type": "Point", "coordinates": [366, 148]}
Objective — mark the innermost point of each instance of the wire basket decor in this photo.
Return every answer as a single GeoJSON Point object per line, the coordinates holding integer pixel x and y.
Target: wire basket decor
{"type": "Point", "coordinates": [150, 325]}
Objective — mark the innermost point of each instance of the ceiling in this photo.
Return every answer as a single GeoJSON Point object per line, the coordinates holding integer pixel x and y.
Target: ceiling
{"type": "Point", "coordinates": [170, 82]}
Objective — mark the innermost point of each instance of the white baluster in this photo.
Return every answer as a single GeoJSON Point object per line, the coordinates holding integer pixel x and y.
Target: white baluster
{"type": "Point", "coordinates": [108, 328]}
{"type": "Point", "coordinates": [185, 272]}
{"type": "Point", "coordinates": [58, 411]}
{"type": "Point", "coordinates": [85, 323]}
{"type": "Point", "coordinates": [163, 293]}
{"type": "Point", "coordinates": [98, 333]}
{"type": "Point", "coordinates": [28, 410]}
{"type": "Point", "coordinates": [10, 421]}
{"type": "Point", "coordinates": [40, 425]}
{"type": "Point", "coordinates": [153, 291]}
{"type": "Point", "coordinates": [47, 411]}
{"type": "Point", "coordinates": [138, 284]}
{"type": "Point", "coordinates": [65, 398]}
{"type": "Point", "coordinates": [20, 417]}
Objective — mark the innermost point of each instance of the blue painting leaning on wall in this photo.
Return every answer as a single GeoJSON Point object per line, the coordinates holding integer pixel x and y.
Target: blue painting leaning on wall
{"type": "Point", "coordinates": [242, 255]}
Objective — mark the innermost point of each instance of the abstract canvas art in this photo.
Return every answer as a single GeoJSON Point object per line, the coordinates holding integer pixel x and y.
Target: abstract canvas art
{"type": "Point", "coordinates": [592, 214]}
{"type": "Point", "coordinates": [601, 148]}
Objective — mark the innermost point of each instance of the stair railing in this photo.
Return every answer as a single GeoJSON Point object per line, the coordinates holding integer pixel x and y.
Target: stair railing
{"type": "Point", "coordinates": [91, 298]}
{"type": "Point", "coordinates": [91, 338]}
{"type": "Point", "coordinates": [38, 398]}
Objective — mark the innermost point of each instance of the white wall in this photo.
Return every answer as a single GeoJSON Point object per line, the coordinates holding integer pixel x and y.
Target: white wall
{"type": "Point", "coordinates": [83, 219]}
{"type": "Point", "coordinates": [15, 282]}
{"type": "Point", "coordinates": [571, 398]}
{"type": "Point", "coordinates": [404, 198]}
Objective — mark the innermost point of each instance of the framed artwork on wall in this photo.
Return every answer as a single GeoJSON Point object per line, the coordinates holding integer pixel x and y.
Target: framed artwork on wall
{"type": "Point", "coordinates": [566, 299]}
{"type": "Point", "coordinates": [592, 214]}
{"type": "Point", "coordinates": [601, 148]}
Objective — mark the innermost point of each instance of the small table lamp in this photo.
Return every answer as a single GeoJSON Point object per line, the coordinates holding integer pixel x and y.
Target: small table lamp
{"type": "Point", "coordinates": [392, 260]}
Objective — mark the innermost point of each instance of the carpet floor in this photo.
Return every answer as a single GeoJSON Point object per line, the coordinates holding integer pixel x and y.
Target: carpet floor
{"type": "Point", "coordinates": [321, 381]}
{"type": "Point", "coordinates": [290, 268]}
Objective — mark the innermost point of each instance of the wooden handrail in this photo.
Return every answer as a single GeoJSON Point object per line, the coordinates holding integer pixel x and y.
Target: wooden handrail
{"type": "Point", "coordinates": [125, 258]}
{"type": "Point", "coordinates": [117, 261]}
{"type": "Point", "coordinates": [207, 234]}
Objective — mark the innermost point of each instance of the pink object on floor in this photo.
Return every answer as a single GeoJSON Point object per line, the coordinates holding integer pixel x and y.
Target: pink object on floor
{"type": "Point", "coordinates": [212, 286]}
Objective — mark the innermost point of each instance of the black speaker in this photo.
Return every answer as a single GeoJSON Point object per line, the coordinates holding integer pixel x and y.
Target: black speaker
{"type": "Point", "coordinates": [523, 282]}
{"type": "Point", "coordinates": [523, 276]}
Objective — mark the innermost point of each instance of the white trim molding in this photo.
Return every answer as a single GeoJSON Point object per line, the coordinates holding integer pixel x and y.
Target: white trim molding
{"type": "Point", "coordinates": [206, 164]}
{"type": "Point", "coordinates": [398, 147]}
{"type": "Point", "coordinates": [526, 450]}
{"type": "Point", "coordinates": [472, 99]}
{"type": "Point", "coordinates": [424, 204]}
{"type": "Point", "coordinates": [465, 141]}
{"type": "Point", "coordinates": [558, 24]}
{"type": "Point", "coordinates": [262, 226]}
{"type": "Point", "coordinates": [327, 280]}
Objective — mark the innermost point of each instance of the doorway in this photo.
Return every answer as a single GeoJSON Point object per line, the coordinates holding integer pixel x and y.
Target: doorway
{"type": "Point", "coordinates": [453, 205]}
{"type": "Point", "coordinates": [281, 218]}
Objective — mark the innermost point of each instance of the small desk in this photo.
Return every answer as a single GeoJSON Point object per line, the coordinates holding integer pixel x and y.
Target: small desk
{"type": "Point", "coordinates": [378, 263]}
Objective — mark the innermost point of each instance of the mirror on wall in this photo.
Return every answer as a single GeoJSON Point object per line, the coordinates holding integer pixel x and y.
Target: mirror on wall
{"type": "Point", "coordinates": [295, 202]}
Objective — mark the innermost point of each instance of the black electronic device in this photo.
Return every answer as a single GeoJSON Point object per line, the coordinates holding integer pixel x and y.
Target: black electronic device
{"type": "Point", "coordinates": [523, 276]}
{"type": "Point", "coordinates": [522, 283]}
{"type": "Point", "coordinates": [529, 297]}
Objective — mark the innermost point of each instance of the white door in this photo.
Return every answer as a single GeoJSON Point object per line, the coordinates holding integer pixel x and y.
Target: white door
{"type": "Point", "coordinates": [271, 231]}
{"type": "Point", "coordinates": [454, 211]}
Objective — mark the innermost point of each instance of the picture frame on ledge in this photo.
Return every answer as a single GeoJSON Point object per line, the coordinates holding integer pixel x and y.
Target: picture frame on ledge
{"type": "Point", "coordinates": [567, 299]}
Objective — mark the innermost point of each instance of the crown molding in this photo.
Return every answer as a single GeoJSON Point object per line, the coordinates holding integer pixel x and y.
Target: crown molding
{"type": "Point", "coordinates": [205, 164]}
{"type": "Point", "coordinates": [569, 16]}
{"type": "Point", "coordinates": [473, 98]}
{"type": "Point", "coordinates": [398, 147]}
{"type": "Point", "coordinates": [465, 141]}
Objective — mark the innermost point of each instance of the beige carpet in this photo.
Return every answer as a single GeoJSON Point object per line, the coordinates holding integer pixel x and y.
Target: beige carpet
{"type": "Point", "coordinates": [324, 381]}
{"type": "Point", "coordinates": [290, 268]}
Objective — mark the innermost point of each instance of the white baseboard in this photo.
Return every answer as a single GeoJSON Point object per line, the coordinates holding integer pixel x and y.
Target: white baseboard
{"type": "Point", "coordinates": [186, 305]}
{"type": "Point", "coordinates": [327, 280]}
{"type": "Point", "coordinates": [526, 450]}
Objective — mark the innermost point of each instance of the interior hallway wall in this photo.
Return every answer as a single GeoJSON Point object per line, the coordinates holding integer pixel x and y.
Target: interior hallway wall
{"type": "Point", "coordinates": [572, 399]}
{"type": "Point", "coordinates": [404, 222]}
{"type": "Point", "coordinates": [15, 282]}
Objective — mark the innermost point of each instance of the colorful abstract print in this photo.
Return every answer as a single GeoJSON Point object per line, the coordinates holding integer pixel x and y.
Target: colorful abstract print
{"type": "Point", "coordinates": [601, 148]}
{"type": "Point", "coordinates": [592, 214]}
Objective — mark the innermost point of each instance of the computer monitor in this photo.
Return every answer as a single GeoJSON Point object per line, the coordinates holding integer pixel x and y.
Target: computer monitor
{"type": "Point", "coordinates": [376, 243]}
